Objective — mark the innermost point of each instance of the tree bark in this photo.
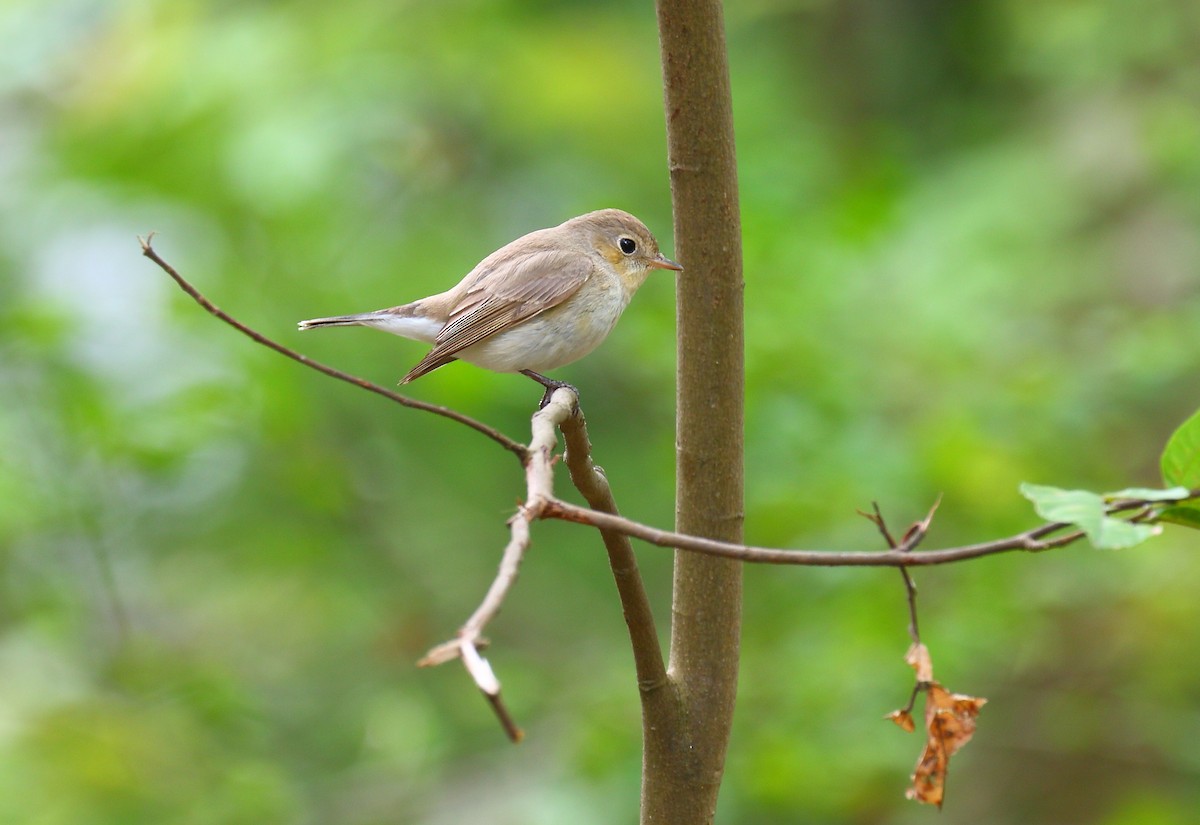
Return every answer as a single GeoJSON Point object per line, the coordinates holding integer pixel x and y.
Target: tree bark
{"type": "Point", "coordinates": [686, 722]}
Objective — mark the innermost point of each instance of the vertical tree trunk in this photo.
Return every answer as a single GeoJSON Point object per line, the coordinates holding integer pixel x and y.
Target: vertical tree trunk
{"type": "Point", "coordinates": [687, 721]}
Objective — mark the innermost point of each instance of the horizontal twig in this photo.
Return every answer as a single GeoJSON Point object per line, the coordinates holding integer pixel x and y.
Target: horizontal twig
{"type": "Point", "coordinates": [1030, 541]}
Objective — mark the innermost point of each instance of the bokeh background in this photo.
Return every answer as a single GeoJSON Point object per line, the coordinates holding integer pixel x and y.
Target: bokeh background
{"type": "Point", "coordinates": [972, 240]}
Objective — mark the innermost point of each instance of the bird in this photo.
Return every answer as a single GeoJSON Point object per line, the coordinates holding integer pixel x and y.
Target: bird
{"type": "Point", "coordinates": [538, 303]}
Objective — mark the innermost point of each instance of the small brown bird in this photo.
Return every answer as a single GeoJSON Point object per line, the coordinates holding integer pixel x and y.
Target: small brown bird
{"type": "Point", "coordinates": [542, 301]}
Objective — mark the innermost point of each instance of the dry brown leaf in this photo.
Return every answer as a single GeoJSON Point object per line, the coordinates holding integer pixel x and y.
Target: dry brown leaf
{"type": "Point", "coordinates": [950, 724]}
{"type": "Point", "coordinates": [904, 719]}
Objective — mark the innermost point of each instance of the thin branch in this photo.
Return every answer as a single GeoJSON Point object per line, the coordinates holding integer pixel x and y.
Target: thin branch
{"type": "Point", "coordinates": [1029, 541]}
{"type": "Point", "coordinates": [876, 518]}
{"type": "Point", "coordinates": [592, 483]}
{"type": "Point", "coordinates": [539, 483]}
{"type": "Point", "coordinates": [910, 592]}
{"type": "Point", "coordinates": [490, 432]}
{"type": "Point", "coordinates": [911, 538]}
{"type": "Point", "coordinates": [467, 644]}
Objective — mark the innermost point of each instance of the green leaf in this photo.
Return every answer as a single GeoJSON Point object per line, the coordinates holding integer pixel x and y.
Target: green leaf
{"type": "Point", "coordinates": [1085, 510]}
{"type": "Point", "coordinates": [1117, 534]}
{"type": "Point", "coordinates": [1079, 507]}
{"type": "Point", "coordinates": [1184, 516]}
{"type": "Point", "coordinates": [1149, 494]}
{"type": "Point", "coordinates": [1181, 457]}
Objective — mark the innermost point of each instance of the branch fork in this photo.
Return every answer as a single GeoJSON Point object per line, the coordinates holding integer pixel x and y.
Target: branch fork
{"type": "Point", "coordinates": [539, 483]}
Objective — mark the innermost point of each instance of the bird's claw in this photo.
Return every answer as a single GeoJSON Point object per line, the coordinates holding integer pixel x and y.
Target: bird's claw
{"type": "Point", "coordinates": [551, 384]}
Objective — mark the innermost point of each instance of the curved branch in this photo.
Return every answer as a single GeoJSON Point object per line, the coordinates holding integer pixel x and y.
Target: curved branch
{"type": "Point", "coordinates": [490, 432]}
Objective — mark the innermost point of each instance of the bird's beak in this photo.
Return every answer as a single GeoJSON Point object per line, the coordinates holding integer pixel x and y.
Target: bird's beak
{"type": "Point", "coordinates": [663, 262]}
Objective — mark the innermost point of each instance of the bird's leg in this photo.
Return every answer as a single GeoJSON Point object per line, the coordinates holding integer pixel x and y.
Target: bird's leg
{"type": "Point", "coordinates": [551, 384]}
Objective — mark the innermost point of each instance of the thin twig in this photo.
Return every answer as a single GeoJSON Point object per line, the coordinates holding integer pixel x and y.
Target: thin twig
{"type": "Point", "coordinates": [490, 432]}
{"type": "Point", "coordinates": [1029, 541]}
{"type": "Point", "coordinates": [912, 697]}
{"type": "Point", "coordinates": [466, 645]}
{"type": "Point", "coordinates": [876, 518]}
{"type": "Point", "coordinates": [910, 592]}
{"type": "Point", "coordinates": [539, 483]}
{"type": "Point", "coordinates": [911, 537]}
{"type": "Point", "coordinates": [591, 482]}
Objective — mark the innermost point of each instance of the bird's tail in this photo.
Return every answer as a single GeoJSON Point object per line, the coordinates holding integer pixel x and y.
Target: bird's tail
{"type": "Point", "coordinates": [408, 321]}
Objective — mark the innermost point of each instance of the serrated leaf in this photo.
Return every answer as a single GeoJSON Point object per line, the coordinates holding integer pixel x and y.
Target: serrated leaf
{"type": "Point", "coordinates": [1181, 457]}
{"type": "Point", "coordinates": [1149, 494]}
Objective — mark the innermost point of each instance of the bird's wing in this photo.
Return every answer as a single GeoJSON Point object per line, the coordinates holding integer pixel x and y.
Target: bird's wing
{"type": "Point", "coordinates": [539, 281]}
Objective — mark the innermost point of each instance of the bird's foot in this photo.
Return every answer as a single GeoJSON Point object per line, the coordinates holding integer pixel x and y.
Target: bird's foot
{"type": "Point", "coordinates": [551, 384]}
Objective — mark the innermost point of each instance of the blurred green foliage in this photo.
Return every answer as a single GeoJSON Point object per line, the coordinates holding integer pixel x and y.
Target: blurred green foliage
{"type": "Point", "coordinates": [972, 239]}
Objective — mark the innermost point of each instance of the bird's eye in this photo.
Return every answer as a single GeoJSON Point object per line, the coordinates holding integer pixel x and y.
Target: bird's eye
{"type": "Point", "coordinates": [628, 245]}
